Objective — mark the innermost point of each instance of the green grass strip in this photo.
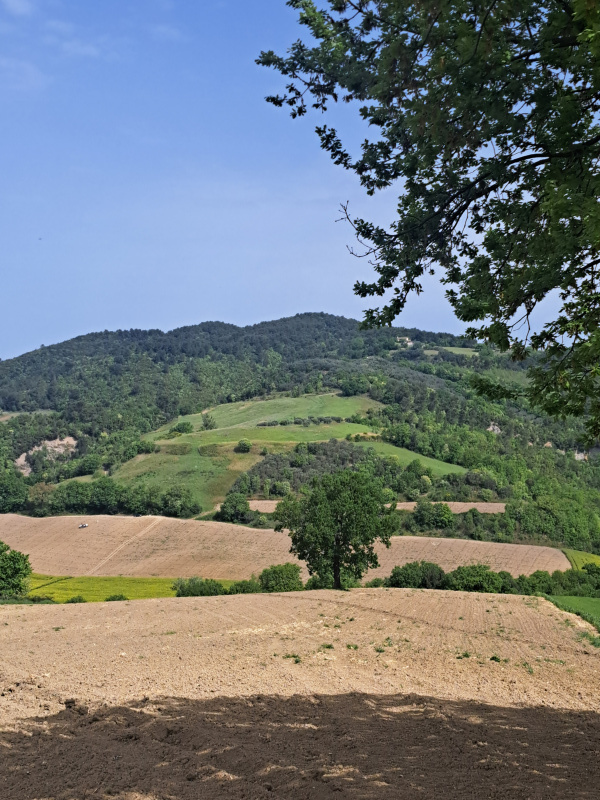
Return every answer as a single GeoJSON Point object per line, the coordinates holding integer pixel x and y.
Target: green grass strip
{"type": "Point", "coordinates": [588, 608]}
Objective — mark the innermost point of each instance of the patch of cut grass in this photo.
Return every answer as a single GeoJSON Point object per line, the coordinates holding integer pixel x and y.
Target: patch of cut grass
{"type": "Point", "coordinates": [461, 351]}
{"type": "Point", "coordinates": [406, 456]}
{"type": "Point", "coordinates": [250, 412]}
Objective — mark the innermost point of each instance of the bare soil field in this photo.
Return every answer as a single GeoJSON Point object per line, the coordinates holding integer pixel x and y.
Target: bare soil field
{"type": "Point", "coordinates": [268, 507]}
{"type": "Point", "coordinates": [518, 559]}
{"type": "Point", "coordinates": [375, 694]}
{"type": "Point", "coordinates": [171, 548]}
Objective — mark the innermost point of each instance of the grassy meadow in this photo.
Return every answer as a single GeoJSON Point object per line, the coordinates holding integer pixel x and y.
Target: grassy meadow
{"type": "Point", "coordinates": [206, 461]}
{"type": "Point", "coordinates": [406, 456]}
{"type": "Point", "coordinates": [96, 589]}
{"type": "Point", "coordinates": [578, 559]}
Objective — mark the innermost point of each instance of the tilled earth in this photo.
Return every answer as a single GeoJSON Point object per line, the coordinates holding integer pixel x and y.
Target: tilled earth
{"type": "Point", "coordinates": [363, 694]}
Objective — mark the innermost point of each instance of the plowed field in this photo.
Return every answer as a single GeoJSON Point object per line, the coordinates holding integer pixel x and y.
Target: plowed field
{"type": "Point", "coordinates": [366, 694]}
{"type": "Point", "coordinates": [161, 547]}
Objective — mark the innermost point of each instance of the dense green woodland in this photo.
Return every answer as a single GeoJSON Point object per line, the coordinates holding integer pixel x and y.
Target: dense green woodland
{"type": "Point", "coordinates": [108, 389]}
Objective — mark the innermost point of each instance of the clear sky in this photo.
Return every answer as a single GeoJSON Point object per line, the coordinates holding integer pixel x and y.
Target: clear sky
{"type": "Point", "coordinates": [145, 183]}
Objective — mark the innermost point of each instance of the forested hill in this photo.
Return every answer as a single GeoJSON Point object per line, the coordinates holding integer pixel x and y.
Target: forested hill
{"type": "Point", "coordinates": [109, 391]}
{"type": "Point", "coordinates": [150, 376]}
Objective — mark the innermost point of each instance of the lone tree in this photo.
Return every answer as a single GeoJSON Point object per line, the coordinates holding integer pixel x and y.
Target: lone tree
{"type": "Point", "coordinates": [487, 117]}
{"type": "Point", "coordinates": [335, 528]}
{"type": "Point", "coordinates": [15, 570]}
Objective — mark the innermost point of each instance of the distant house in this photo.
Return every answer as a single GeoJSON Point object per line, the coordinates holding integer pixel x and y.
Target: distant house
{"type": "Point", "coordinates": [405, 341]}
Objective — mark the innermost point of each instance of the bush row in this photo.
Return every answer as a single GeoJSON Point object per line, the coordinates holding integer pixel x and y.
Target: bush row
{"type": "Point", "coordinates": [480, 578]}
{"type": "Point", "coordinates": [305, 421]}
{"type": "Point", "coordinates": [276, 578]}
{"type": "Point", "coordinates": [415, 575]}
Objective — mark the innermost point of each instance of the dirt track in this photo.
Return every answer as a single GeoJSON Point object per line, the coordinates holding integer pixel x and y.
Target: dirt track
{"type": "Point", "coordinates": [157, 546]}
{"type": "Point", "coordinates": [193, 698]}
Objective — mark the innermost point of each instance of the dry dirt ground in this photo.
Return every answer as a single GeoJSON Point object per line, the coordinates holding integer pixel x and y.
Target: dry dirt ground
{"type": "Point", "coordinates": [268, 507]}
{"type": "Point", "coordinates": [365, 694]}
{"type": "Point", "coordinates": [157, 546]}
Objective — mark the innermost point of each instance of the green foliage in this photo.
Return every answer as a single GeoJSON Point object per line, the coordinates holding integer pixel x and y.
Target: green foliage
{"type": "Point", "coordinates": [428, 515]}
{"type": "Point", "coordinates": [375, 583]}
{"type": "Point", "coordinates": [485, 117]}
{"type": "Point", "coordinates": [198, 587]}
{"type": "Point", "coordinates": [335, 527]}
{"type": "Point", "coordinates": [113, 598]}
{"type": "Point", "coordinates": [480, 578]}
{"type": "Point", "coordinates": [474, 578]}
{"type": "Point", "coordinates": [235, 508]}
{"type": "Point", "coordinates": [15, 570]}
{"type": "Point", "coordinates": [13, 492]}
{"type": "Point", "coordinates": [208, 422]}
{"type": "Point", "coordinates": [106, 496]}
{"type": "Point", "coordinates": [243, 446]}
{"type": "Point", "coordinates": [417, 575]}
{"type": "Point", "coordinates": [78, 598]}
{"type": "Point", "coordinates": [251, 586]}
{"type": "Point", "coordinates": [348, 581]}
{"type": "Point", "coordinates": [182, 427]}
{"type": "Point", "coordinates": [281, 578]}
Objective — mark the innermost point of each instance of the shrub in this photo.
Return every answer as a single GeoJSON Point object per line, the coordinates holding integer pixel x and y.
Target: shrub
{"type": "Point", "coordinates": [235, 508]}
{"type": "Point", "coordinates": [243, 446]}
{"type": "Point", "coordinates": [417, 575]}
{"type": "Point", "coordinates": [474, 578]}
{"type": "Point", "coordinates": [251, 586]}
{"type": "Point", "coordinates": [178, 502]}
{"type": "Point", "coordinates": [375, 583]}
{"type": "Point", "coordinates": [326, 582]}
{"type": "Point", "coordinates": [197, 587]}
{"type": "Point", "coordinates": [182, 427]}
{"type": "Point", "coordinates": [78, 598]}
{"type": "Point", "coordinates": [15, 570]}
{"type": "Point", "coordinates": [208, 422]}
{"type": "Point", "coordinates": [113, 598]}
{"type": "Point", "coordinates": [281, 578]}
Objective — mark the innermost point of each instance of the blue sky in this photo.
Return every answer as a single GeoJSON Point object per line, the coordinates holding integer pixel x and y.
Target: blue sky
{"type": "Point", "coordinates": [146, 183]}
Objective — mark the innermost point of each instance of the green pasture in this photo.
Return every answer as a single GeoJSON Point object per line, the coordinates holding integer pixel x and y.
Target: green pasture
{"type": "Point", "coordinates": [461, 351]}
{"type": "Point", "coordinates": [250, 412]}
{"type": "Point", "coordinates": [578, 559]}
{"type": "Point", "coordinates": [280, 433]}
{"type": "Point", "coordinates": [588, 608]}
{"type": "Point", "coordinates": [95, 589]}
{"type": "Point", "coordinates": [583, 605]}
{"type": "Point", "coordinates": [208, 474]}
{"type": "Point", "coordinates": [406, 456]}
{"type": "Point", "coordinates": [206, 462]}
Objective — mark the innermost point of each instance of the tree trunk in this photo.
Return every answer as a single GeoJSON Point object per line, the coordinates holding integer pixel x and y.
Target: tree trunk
{"type": "Point", "coordinates": [337, 572]}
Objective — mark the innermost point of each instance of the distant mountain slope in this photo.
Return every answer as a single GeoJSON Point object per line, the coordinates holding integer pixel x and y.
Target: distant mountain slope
{"type": "Point", "coordinates": [154, 376]}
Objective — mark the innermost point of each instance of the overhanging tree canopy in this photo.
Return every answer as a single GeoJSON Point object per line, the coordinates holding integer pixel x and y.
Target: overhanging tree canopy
{"type": "Point", "coordinates": [486, 114]}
